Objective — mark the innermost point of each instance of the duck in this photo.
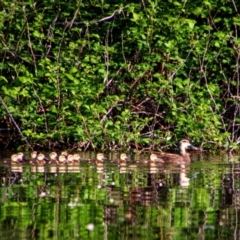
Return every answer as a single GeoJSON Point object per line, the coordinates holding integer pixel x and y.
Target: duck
{"type": "Point", "coordinates": [154, 163]}
{"type": "Point", "coordinates": [122, 161]}
{"type": "Point", "coordinates": [73, 158]}
{"type": "Point", "coordinates": [184, 157]}
{"type": "Point", "coordinates": [153, 159]}
{"type": "Point", "coordinates": [53, 158]}
{"type": "Point", "coordinates": [62, 167]}
{"type": "Point", "coordinates": [40, 160]}
{"type": "Point", "coordinates": [62, 159]}
{"type": "Point", "coordinates": [99, 159]}
{"type": "Point", "coordinates": [13, 160]}
{"type": "Point", "coordinates": [64, 153]}
{"type": "Point", "coordinates": [77, 157]}
{"type": "Point", "coordinates": [21, 156]}
{"type": "Point", "coordinates": [70, 159]}
{"type": "Point", "coordinates": [34, 154]}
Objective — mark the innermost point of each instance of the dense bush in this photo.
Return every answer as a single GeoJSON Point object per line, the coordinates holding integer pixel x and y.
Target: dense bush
{"type": "Point", "coordinates": [116, 74]}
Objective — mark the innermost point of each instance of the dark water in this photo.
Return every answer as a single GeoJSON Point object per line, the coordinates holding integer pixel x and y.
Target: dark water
{"type": "Point", "coordinates": [197, 201]}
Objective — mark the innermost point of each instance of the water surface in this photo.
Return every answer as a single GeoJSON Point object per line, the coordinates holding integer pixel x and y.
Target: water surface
{"type": "Point", "coordinates": [200, 200]}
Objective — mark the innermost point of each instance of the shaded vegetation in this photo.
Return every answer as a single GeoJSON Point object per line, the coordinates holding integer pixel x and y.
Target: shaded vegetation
{"type": "Point", "coordinates": [83, 74]}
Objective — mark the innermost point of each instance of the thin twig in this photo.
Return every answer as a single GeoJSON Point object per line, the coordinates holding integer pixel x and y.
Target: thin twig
{"type": "Point", "coordinates": [105, 19]}
{"type": "Point", "coordinates": [10, 115]}
{"type": "Point", "coordinates": [106, 57]}
{"type": "Point", "coordinates": [111, 108]}
{"type": "Point", "coordinates": [29, 40]}
{"type": "Point", "coordinates": [235, 7]}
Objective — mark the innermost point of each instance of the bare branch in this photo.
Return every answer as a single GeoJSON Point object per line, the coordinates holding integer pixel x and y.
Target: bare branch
{"type": "Point", "coordinates": [10, 115]}
{"type": "Point", "coordinates": [105, 19]}
{"type": "Point", "coordinates": [235, 7]}
{"type": "Point", "coordinates": [29, 40]}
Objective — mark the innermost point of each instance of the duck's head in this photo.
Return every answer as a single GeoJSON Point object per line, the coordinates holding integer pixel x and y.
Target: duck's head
{"type": "Point", "coordinates": [62, 159]}
{"type": "Point", "coordinates": [154, 157]}
{"type": "Point", "coordinates": [185, 144]}
{"type": "Point", "coordinates": [41, 157]}
{"type": "Point", "coordinates": [34, 154]}
{"type": "Point", "coordinates": [64, 153]}
{"type": "Point", "coordinates": [53, 156]}
{"type": "Point", "coordinates": [20, 156]}
{"type": "Point", "coordinates": [76, 157]}
{"type": "Point", "coordinates": [100, 157]}
{"type": "Point", "coordinates": [123, 156]}
{"type": "Point", "coordinates": [70, 158]}
{"type": "Point", "coordinates": [15, 158]}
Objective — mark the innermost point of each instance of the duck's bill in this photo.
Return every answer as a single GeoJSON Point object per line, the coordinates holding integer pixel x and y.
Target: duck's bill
{"type": "Point", "coordinates": [192, 147]}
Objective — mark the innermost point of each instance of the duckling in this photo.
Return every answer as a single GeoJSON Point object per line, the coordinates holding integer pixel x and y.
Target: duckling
{"type": "Point", "coordinates": [21, 156]}
{"type": "Point", "coordinates": [154, 163]}
{"type": "Point", "coordinates": [41, 159]}
{"type": "Point", "coordinates": [73, 159]}
{"type": "Point", "coordinates": [175, 158]}
{"type": "Point", "coordinates": [122, 161]}
{"type": "Point", "coordinates": [153, 159]}
{"type": "Point", "coordinates": [34, 154]}
{"type": "Point", "coordinates": [73, 162]}
{"type": "Point", "coordinates": [77, 157]}
{"type": "Point", "coordinates": [99, 159]}
{"type": "Point", "coordinates": [53, 158]}
{"type": "Point", "coordinates": [62, 159]}
{"type": "Point", "coordinates": [13, 160]}
{"type": "Point", "coordinates": [70, 159]}
{"type": "Point", "coordinates": [64, 153]}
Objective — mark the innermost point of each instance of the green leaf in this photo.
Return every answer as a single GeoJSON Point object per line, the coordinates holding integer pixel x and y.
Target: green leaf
{"type": "Point", "coordinates": [2, 78]}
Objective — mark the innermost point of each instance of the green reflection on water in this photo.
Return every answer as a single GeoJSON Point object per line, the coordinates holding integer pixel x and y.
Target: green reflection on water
{"type": "Point", "coordinates": [198, 201]}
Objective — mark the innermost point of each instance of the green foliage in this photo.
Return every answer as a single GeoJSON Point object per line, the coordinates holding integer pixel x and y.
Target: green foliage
{"type": "Point", "coordinates": [155, 71]}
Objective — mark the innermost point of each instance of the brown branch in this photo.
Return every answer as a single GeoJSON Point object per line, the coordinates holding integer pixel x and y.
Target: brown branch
{"type": "Point", "coordinates": [18, 128]}
{"type": "Point", "coordinates": [105, 19]}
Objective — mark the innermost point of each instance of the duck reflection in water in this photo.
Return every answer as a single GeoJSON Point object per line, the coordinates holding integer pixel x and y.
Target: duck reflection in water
{"type": "Point", "coordinates": [183, 179]}
{"type": "Point", "coordinates": [146, 196]}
